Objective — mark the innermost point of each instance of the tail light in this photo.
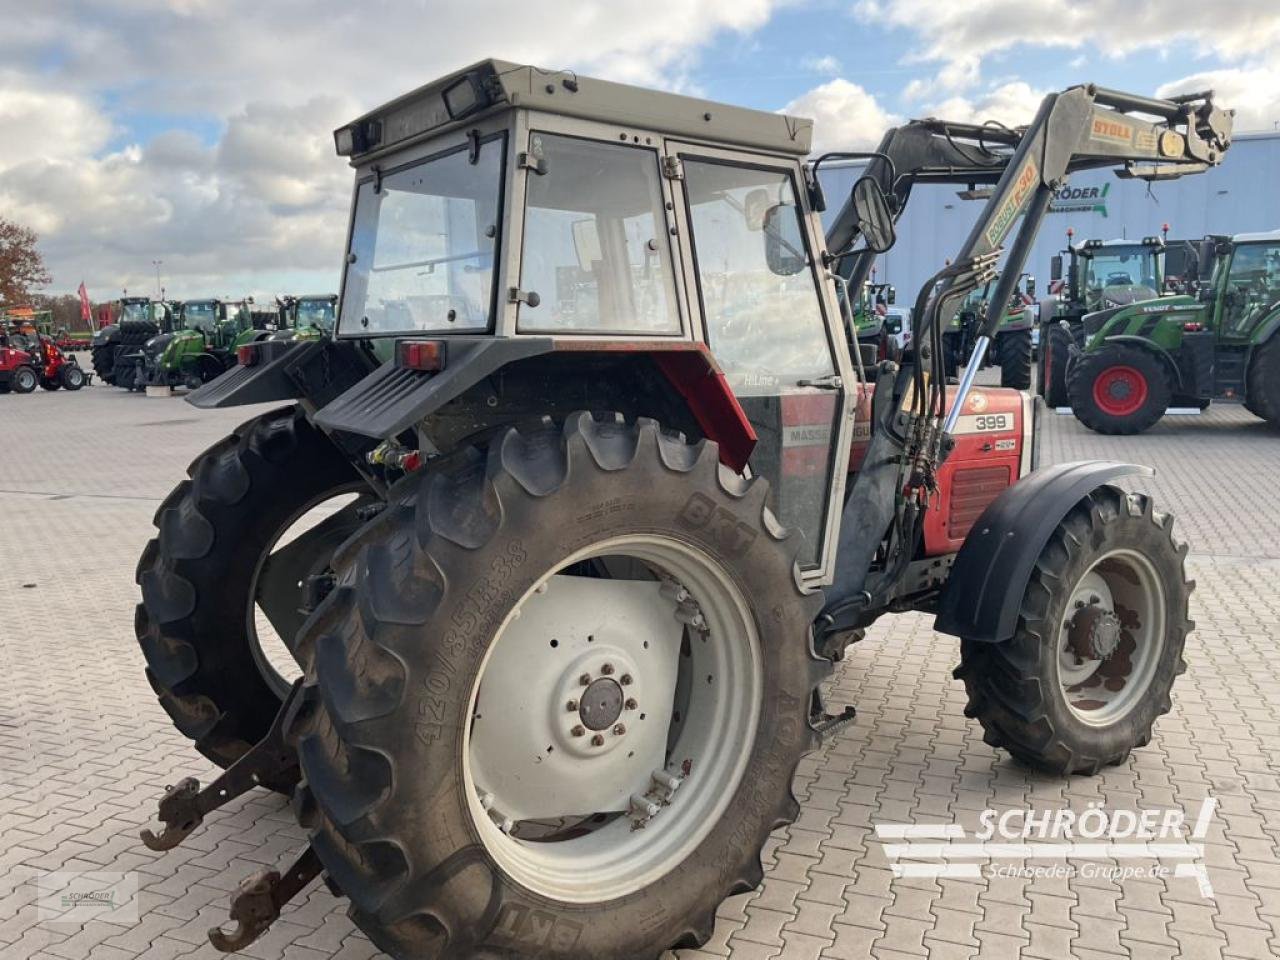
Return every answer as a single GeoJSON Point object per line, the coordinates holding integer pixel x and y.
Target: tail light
{"type": "Point", "coordinates": [247, 356]}
{"type": "Point", "coordinates": [425, 355]}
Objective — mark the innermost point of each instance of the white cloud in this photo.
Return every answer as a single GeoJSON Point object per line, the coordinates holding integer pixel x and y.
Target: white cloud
{"type": "Point", "coordinates": [959, 36]}
{"type": "Point", "coordinates": [846, 117]}
{"type": "Point", "coordinates": [828, 65]}
{"type": "Point", "coordinates": [1012, 104]}
{"type": "Point", "coordinates": [1252, 91]}
{"type": "Point", "coordinates": [268, 198]}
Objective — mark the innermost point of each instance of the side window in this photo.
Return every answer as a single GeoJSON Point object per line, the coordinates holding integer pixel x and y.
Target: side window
{"type": "Point", "coordinates": [759, 293]}
{"type": "Point", "coordinates": [766, 328]}
{"type": "Point", "coordinates": [596, 250]}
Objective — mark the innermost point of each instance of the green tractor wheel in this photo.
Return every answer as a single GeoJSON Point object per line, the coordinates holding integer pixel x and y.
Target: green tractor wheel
{"type": "Point", "coordinates": [1118, 389]}
{"type": "Point", "coordinates": [1262, 385]}
{"type": "Point", "coordinates": [1055, 350]}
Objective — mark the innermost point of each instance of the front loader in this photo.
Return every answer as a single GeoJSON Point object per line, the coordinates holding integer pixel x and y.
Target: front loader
{"type": "Point", "coordinates": [618, 492]}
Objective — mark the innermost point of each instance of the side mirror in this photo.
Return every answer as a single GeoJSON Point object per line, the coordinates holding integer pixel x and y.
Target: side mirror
{"type": "Point", "coordinates": [1055, 267]}
{"type": "Point", "coordinates": [875, 222]}
{"type": "Point", "coordinates": [1031, 287]}
{"type": "Point", "coordinates": [1204, 257]}
{"type": "Point", "coordinates": [586, 244]}
{"type": "Point", "coordinates": [891, 295]}
{"type": "Point", "coordinates": [783, 245]}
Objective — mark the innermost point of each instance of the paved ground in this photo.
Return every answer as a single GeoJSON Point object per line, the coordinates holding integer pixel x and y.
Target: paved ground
{"type": "Point", "coordinates": [85, 751]}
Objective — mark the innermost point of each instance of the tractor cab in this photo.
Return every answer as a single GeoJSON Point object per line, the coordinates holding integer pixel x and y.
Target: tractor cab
{"type": "Point", "coordinates": [1114, 272]}
{"type": "Point", "coordinates": [306, 317]}
{"type": "Point", "coordinates": [527, 213]}
{"type": "Point", "coordinates": [1243, 286]}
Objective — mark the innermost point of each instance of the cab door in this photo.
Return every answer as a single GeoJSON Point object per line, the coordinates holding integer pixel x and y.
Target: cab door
{"type": "Point", "coordinates": [768, 320]}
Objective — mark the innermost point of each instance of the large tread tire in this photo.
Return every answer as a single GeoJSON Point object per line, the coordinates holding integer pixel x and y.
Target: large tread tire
{"type": "Point", "coordinates": [1055, 350]}
{"type": "Point", "coordinates": [1013, 686]}
{"type": "Point", "coordinates": [1262, 385]}
{"type": "Point", "coordinates": [422, 590]}
{"type": "Point", "coordinates": [1014, 355]}
{"type": "Point", "coordinates": [104, 361]}
{"type": "Point", "coordinates": [1085, 371]}
{"type": "Point", "coordinates": [196, 575]}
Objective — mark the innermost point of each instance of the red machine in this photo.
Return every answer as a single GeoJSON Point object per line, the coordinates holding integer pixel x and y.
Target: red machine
{"type": "Point", "coordinates": [31, 360]}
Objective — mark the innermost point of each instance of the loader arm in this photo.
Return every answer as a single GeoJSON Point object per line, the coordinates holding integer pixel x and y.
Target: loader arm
{"type": "Point", "coordinates": [1083, 127]}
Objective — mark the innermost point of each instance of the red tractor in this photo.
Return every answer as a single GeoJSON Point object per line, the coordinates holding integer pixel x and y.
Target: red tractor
{"type": "Point", "coordinates": [623, 485]}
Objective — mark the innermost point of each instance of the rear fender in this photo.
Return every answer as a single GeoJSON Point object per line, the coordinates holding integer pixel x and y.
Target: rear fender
{"type": "Point", "coordinates": [316, 371]}
{"type": "Point", "coordinates": [392, 399]}
{"type": "Point", "coordinates": [983, 594]}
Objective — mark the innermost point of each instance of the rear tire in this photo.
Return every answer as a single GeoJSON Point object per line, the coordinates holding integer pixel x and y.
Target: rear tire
{"type": "Point", "coordinates": [1118, 389]}
{"type": "Point", "coordinates": [1055, 350]}
{"type": "Point", "coordinates": [24, 380]}
{"type": "Point", "coordinates": [197, 576]}
{"type": "Point", "coordinates": [1034, 695]}
{"type": "Point", "coordinates": [1013, 353]}
{"type": "Point", "coordinates": [1262, 385]}
{"type": "Point", "coordinates": [104, 361]}
{"type": "Point", "coordinates": [427, 591]}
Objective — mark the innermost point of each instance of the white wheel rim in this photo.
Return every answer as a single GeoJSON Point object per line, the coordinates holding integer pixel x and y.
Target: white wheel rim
{"type": "Point", "coordinates": [709, 725]}
{"type": "Point", "coordinates": [1108, 643]}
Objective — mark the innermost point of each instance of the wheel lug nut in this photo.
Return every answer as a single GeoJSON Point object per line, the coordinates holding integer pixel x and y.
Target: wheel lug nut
{"type": "Point", "coordinates": [619, 730]}
{"type": "Point", "coordinates": [631, 704]}
{"type": "Point", "coordinates": [597, 740]}
{"type": "Point", "coordinates": [571, 706]}
{"type": "Point", "coordinates": [607, 669]}
{"type": "Point", "coordinates": [585, 679]}
{"type": "Point", "coordinates": [625, 680]}
{"type": "Point", "coordinates": [578, 731]}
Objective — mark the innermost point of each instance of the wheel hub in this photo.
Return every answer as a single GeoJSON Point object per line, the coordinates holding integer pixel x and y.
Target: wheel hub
{"type": "Point", "coordinates": [1094, 633]}
{"type": "Point", "coordinates": [601, 704]}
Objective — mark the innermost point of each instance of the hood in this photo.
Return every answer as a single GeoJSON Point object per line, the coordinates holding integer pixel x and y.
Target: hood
{"type": "Point", "coordinates": [156, 345]}
{"type": "Point", "coordinates": [104, 336]}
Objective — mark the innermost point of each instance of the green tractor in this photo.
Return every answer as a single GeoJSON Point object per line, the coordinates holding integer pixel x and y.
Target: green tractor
{"type": "Point", "coordinates": [137, 320]}
{"type": "Point", "coordinates": [202, 345]}
{"type": "Point", "coordinates": [1100, 275]}
{"type": "Point", "coordinates": [305, 317]}
{"type": "Point", "coordinates": [1013, 347]}
{"type": "Point", "coordinates": [872, 322]}
{"type": "Point", "coordinates": [1142, 357]}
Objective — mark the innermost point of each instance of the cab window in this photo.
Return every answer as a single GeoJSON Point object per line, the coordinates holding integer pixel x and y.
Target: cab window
{"type": "Point", "coordinates": [596, 255]}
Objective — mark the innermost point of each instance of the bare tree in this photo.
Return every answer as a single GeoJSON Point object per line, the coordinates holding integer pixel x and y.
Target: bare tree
{"type": "Point", "coordinates": [21, 266]}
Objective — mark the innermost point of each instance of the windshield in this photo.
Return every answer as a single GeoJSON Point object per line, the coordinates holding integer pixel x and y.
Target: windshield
{"type": "Point", "coordinates": [1121, 275]}
{"type": "Point", "coordinates": [423, 245]}
{"type": "Point", "coordinates": [200, 315]}
{"type": "Point", "coordinates": [315, 313]}
{"type": "Point", "coordinates": [135, 311]}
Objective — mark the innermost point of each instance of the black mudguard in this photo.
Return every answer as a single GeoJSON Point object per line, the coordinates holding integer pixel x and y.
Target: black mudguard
{"type": "Point", "coordinates": [984, 591]}
{"type": "Point", "coordinates": [392, 398]}
{"type": "Point", "coordinates": [315, 370]}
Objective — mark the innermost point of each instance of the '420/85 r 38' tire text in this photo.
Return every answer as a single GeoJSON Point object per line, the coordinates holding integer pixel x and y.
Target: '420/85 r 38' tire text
{"type": "Point", "coordinates": [560, 694]}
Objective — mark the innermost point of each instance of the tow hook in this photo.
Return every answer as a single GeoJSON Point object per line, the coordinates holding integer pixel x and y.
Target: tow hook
{"type": "Point", "coordinates": [258, 899]}
{"type": "Point", "coordinates": [184, 805]}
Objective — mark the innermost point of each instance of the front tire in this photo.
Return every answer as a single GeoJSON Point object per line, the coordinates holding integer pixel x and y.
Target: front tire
{"type": "Point", "coordinates": [1262, 386]}
{"type": "Point", "coordinates": [1014, 356]}
{"type": "Point", "coordinates": [199, 577]}
{"type": "Point", "coordinates": [72, 376]}
{"type": "Point", "coordinates": [1098, 645]}
{"type": "Point", "coordinates": [440, 631]}
{"type": "Point", "coordinates": [1118, 389]}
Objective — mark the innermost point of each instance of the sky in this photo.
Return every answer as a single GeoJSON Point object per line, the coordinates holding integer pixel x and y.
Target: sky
{"type": "Point", "coordinates": [198, 133]}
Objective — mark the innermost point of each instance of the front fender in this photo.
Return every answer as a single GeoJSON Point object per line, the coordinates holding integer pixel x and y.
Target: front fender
{"type": "Point", "coordinates": [1164, 355]}
{"type": "Point", "coordinates": [983, 594]}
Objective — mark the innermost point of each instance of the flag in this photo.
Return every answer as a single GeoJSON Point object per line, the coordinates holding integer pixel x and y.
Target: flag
{"type": "Point", "coordinates": [86, 312]}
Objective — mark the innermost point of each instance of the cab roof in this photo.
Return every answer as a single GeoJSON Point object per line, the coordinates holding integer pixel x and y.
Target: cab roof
{"type": "Point", "coordinates": [491, 86]}
{"type": "Point", "coordinates": [1266, 236]}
